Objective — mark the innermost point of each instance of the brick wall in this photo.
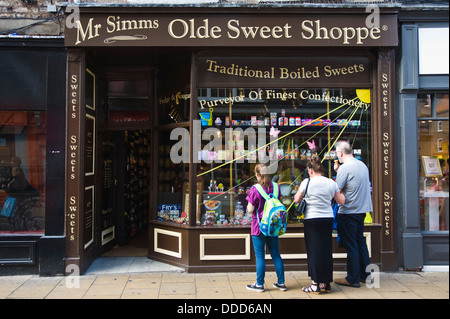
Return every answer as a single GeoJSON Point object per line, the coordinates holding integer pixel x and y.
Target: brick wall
{"type": "Point", "coordinates": [32, 17]}
{"type": "Point", "coordinates": [24, 9]}
{"type": "Point", "coordinates": [29, 17]}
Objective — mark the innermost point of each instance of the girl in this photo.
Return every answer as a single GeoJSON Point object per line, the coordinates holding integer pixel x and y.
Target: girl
{"type": "Point", "coordinates": [256, 206]}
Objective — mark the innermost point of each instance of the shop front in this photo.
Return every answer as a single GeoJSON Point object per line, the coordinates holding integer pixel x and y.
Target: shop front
{"type": "Point", "coordinates": [32, 117]}
{"type": "Point", "coordinates": [170, 109]}
{"type": "Point", "coordinates": [424, 126]}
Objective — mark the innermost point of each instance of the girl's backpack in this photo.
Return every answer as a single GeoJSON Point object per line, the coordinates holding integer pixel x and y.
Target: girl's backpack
{"type": "Point", "coordinates": [274, 219]}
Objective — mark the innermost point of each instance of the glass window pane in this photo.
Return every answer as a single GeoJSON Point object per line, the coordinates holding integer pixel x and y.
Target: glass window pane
{"type": "Point", "coordinates": [442, 105]}
{"type": "Point", "coordinates": [174, 106]}
{"type": "Point", "coordinates": [22, 171]}
{"type": "Point", "coordinates": [434, 189]}
{"type": "Point", "coordinates": [173, 90]}
{"type": "Point", "coordinates": [173, 177]}
{"type": "Point", "coordinates": [237, 134]}
{"type": "Point", "coordinates": [433, 51]}
{"type": "Point", "coordinates": [424, 105]}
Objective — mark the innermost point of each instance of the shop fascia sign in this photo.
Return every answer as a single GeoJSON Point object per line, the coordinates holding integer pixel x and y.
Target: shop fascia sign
{"type": "Point", "coordinates": [245, 30]}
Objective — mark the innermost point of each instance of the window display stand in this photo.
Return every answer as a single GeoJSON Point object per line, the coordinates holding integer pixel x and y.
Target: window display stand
{"type": "Point", "coordinates": [432, 206]}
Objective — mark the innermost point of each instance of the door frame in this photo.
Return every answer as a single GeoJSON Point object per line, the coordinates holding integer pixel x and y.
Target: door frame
{"type": "Point", "coordinates": [83, 245]}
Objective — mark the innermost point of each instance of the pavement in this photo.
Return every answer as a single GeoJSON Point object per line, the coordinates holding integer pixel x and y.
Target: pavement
{"type": "Point", "coordinates": [142, 278]}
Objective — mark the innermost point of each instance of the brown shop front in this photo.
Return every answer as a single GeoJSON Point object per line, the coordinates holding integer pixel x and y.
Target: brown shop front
{"type": "Point", "coordinates": [169, 109]}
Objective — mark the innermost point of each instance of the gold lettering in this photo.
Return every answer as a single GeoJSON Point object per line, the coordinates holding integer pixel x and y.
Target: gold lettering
{"type": "Point", "coordinates": [387, 211]}
{"type": "Point", "coordinates": [314, 30]}
{"type": "Point", "coordinates": [82, 33]}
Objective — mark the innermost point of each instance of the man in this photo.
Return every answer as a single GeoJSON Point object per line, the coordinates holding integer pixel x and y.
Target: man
{"type": "Point", "coordinates": [353, 179]}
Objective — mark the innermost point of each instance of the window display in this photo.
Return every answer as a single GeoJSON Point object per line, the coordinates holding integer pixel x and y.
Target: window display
{"type": "Point", "coordinates": [136, 182]}
{"type": "Point", "coordinates": [256, 110]}
{"type": "Point", "coordinates": [433, 128]}
{"type": "Point", "coordinates": [22, 171]}
{"type": "Point", "coordinates": [172, 184]}
{"type": "Point", "coordinates": [173, 111]}
{"type": "Point", "coordinates": [282, 127]}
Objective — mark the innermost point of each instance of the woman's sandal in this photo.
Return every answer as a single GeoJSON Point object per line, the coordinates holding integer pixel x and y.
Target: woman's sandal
{"type": "Point", "coordinates": [325, 287]}
{"type": "Point", "coordinates": [312, 289]}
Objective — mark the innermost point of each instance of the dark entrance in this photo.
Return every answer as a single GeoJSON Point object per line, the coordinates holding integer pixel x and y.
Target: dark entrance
{"type": "Point", "coordinates": [126, 168]}
{"type": "Point", "coordinates": [124, 193]}
{"type": "Point", "coordinates": [123, 198]}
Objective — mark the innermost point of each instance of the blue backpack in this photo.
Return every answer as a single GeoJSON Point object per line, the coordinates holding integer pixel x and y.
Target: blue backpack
{"type": "Point", "coordinates": [274, 219]}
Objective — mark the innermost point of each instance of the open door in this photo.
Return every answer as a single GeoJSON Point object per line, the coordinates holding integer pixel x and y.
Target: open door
{"type": "Point", "coordinates": [80, 163]}
{"type": "Point", "coordinates": [107, 159]}
{"type": "Point", "coordinates": [107, 195]}
{"type": "Point", "coordinates": [124, 190]}
{"type": "Point", "coordinates": [90, 171]}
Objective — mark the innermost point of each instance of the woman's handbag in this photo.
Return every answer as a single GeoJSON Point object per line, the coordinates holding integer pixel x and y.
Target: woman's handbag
{"type": "Point", "coordinates": [301, 207]}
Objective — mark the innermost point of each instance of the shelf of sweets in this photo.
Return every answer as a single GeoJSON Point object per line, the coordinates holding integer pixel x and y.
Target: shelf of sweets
{"type": "Point", "coordinates": [136, 182]}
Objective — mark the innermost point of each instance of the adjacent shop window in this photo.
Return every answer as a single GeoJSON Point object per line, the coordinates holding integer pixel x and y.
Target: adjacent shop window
{"type": "Point", "coordinates": [22, 171]}
{"type": "Point", "coordinates": [281, 126]}
{"type": "Point", "coordinates": [433, 127]}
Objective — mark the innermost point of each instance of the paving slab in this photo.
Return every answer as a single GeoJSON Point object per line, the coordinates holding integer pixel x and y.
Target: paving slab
{"type": "Point", "coordinates": [141, 278]}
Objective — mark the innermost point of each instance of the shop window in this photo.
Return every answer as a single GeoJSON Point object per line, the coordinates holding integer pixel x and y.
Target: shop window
{"type": "Point", "coordinates": [174, 90]}
{"type": "Point", "coordinates": [283, 127]}
{"type": "Point", "coordinates": [173, 180]}
{"type": "Point", "coordinates": [128, 101]}
{"type": "Point", "coordinates": [433, 128]}
{"type": "Point", "coordinates": [173, 106]}
{"type": "Point", "coordinates": [432, 105]}
{"type": "Point", "coordinates": [174, 100]}
{"type": "Point", "coordinates": [22, 171]}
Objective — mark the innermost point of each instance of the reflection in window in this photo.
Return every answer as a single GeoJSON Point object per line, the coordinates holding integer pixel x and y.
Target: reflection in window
{"type": "Point", "coordinates": [431, 105]}
{"type": "Point", "coordinates": [22, 171]}
{"type": "Point", "coordinates": [433, 130]}
{"type": "Point", "coordinates": [173, 107]}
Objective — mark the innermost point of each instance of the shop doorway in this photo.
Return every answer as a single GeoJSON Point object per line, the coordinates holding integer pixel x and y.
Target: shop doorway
{"type": "Point", "coordinates": [113, 133]}
{"type": "Point", "coordinates": [124, 212]}
{"type": "Point", "coordinates": [124, 161]}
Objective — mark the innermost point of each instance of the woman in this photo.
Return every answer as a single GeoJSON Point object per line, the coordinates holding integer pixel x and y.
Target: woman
{"type": "Point", "coordinates": [318, 224]}
{"type": "Point", "coordinates": [256, 206]}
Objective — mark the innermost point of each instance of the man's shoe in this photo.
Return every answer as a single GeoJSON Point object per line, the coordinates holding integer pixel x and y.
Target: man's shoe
{"type": "Point", "coordinates": [344, 282]}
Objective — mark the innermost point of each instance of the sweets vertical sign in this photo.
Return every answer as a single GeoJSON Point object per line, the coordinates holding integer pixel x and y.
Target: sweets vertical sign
{"type": "Point", "coordinates": [386, 78]}
{"type": "Point", "coordinates": [73, 156]}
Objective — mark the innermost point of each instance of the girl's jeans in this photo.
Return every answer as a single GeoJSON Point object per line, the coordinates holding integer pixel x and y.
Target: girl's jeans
{"type": "Point", "coordinates": [259, 244]}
